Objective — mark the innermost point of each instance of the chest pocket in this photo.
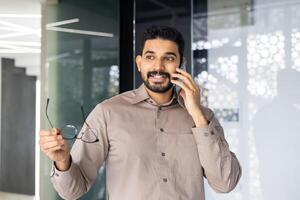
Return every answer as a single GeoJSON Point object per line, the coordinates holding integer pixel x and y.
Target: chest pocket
{"type": "Point", "coordinates": [185, 152]}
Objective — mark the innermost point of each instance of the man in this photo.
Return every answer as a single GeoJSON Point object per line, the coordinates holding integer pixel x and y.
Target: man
{"type": "Point", "coordinates": [157, 144]}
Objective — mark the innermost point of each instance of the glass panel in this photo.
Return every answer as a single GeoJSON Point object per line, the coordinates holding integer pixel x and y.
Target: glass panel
{"type": "Point", "coordinates": [246, 59]}
{"type": "Point", "coordinates": [82, 63]}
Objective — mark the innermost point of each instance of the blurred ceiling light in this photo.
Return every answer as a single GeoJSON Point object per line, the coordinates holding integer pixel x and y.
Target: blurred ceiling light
{"type": "Point", "coordinates": [54, 27]}
{"type": "Point", "coordinates": [70, 21]}
{"type": "Point", "coordinates": [19, 30]}
{"type": "Point", "coordinates": [33, 44]}
{"type": "Point", "coordinates": [19, 16]}
{"type": "Point", "coordinates": [17, 48]}
{"type": "Point", "coordinates": [12, 27]}
{"type": "Point", "coordinates": [57, 57]}
{"type": "Point", "coordinates": [19, 51]}
{"type": "Point", "coordinates": [10, 35]}
{"type": "Point", "coordinates": [6, 28]}
{"type": "Point", "coordinates": [68, 30]}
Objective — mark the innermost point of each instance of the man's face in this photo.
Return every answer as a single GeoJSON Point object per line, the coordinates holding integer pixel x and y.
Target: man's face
{"type": "Point", "coordinates": [159, 60]}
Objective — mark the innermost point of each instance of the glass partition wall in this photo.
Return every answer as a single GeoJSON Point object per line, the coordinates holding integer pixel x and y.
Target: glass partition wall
{"type": "Point", "coordinates": [246, 59]}
{"type": "Point", "coordinates": [81, 40]}
{"type": "Point", "coordinates": [243, 54]}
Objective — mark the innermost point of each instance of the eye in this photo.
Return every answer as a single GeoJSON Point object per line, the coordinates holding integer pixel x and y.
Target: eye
{"type": "Point", "coordinates": [149, 57]}
{"type": "Point", "coordinates": [170, 58]}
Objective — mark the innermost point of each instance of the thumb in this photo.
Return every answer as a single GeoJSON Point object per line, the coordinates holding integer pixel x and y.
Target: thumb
{"type": "Point", "coordinates": [55, 131]}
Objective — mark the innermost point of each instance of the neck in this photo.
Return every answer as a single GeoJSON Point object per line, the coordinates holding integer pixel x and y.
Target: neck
{"type": "Point", "coordinates": [161, 98]}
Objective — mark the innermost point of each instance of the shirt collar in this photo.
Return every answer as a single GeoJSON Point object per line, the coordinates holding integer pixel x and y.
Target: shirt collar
{"type": "Point", "coordinates": [141, 94]}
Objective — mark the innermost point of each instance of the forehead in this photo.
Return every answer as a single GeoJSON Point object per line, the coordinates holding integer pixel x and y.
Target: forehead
{"type": "Point", "coordinates": [160, 46]}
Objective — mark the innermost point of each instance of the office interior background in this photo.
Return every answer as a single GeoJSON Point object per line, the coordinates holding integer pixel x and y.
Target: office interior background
{"type": "Point", "coordinates": [244, 54]}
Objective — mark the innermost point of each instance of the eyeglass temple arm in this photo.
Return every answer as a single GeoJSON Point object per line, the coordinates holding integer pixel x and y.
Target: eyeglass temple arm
{"type": "Point", "coordinates": [47, 113]}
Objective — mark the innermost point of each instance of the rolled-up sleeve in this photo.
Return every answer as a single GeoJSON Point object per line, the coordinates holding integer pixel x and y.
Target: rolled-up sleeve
{"type": "Point", "coordinates": [221, 167]}
{"type": "Point", "coordinates": [86, 159]}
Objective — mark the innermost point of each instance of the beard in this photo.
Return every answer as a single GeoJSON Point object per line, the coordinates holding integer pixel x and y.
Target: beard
{"type": "Point", "coordinates": [157, 87]}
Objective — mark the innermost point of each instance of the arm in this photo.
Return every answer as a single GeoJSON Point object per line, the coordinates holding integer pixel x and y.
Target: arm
{"type": "Point", "coordinates": [220, 165]}
{"type": "Point", "coordinates": [85, 161]}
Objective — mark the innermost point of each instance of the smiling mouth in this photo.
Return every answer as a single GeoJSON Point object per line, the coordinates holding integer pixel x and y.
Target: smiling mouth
{"type": "Point", "coordinates": [158, 77]}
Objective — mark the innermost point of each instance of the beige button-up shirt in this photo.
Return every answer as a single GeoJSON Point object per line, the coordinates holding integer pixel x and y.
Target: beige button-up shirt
{"type": "Point", "coordinates": [152, 152]}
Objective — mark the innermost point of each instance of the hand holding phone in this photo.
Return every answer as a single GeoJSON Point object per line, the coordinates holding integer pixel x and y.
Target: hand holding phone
{"type": "Point", "coordinates": [190, 93]}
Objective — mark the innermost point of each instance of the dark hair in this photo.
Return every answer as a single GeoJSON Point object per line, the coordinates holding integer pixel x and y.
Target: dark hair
{"type": "Point", "coordinates": [166, 33]}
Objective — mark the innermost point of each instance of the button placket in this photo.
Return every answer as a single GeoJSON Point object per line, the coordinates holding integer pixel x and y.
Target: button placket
{"type": "Point", "coordinates": [158, 112]}
{"type": "Point", "coordinates": [163, 161]}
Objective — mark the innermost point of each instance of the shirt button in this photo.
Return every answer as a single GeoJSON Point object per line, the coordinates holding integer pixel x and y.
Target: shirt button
{"type": "Point", "coordinates": [163, 154]}
{"type": "Point", "coordinates": [159, 108]}
{"type": "Point", "coordinates": [206, 134]}
{"type": "Point", "coordinates": [161, 129]}
{"type": "Point", "coordinates": [165, 180]}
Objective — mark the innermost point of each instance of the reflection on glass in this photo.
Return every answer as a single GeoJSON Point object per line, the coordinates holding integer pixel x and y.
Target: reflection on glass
{"type": "Point", "coordinates": [82, 63]}
{"type": "Point", "coordinates": [247, 62]}
{"type": "Point", "coordinates": [296, 49]}
{"type": "Point", "coordinates": [265, 57]}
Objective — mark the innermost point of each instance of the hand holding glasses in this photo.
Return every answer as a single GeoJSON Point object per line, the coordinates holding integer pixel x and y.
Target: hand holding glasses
{"type": "Point", "coordinates": [70, 132]}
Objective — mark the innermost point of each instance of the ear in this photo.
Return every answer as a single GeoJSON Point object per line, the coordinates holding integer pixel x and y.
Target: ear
{"type": "Point", "coordinates": [138, 61]}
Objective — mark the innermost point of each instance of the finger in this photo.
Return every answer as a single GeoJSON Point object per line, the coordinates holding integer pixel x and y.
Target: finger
{"type": "Point", "coordinates": [186, 80]}
{"type": "Point", "coordinates": [181, 84]}
{"type": "Point", "coordinates": [52, 144]}
{"type": "Point", "coordinates": [188, 75]}
{"type": "Point", "coordinates": [51, 150]}
{"type": "Point", "coordinates": [55, 131]}
{"type": "Point", "coordinates": [45, 139]}
{"type": "Point", "coordinates": [62, 147]}
{"type": "Point", "coordinates": [44, 133]}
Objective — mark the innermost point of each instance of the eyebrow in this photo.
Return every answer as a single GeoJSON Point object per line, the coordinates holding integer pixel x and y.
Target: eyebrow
{"type": "Point", "coordinates": [167, 53]}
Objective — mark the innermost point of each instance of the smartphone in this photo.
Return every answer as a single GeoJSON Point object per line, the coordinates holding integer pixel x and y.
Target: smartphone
{"type": "Point", "coordinates": [182, 66]}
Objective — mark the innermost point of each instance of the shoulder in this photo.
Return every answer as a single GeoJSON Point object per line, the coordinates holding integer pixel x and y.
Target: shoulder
{"type": "Point", "coordinates": [123, 99]}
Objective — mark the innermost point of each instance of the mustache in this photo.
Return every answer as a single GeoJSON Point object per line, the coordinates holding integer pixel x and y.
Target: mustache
{"type": "Point", "coordinates": [163, 74]}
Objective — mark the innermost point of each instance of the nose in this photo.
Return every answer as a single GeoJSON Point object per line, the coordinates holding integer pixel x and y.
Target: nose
{"type": "Point", "coordinates": [159, 65]}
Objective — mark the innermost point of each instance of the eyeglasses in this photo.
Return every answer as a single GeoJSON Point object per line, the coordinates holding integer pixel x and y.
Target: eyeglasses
{"type": "Point", "coordinates": [70, 132]}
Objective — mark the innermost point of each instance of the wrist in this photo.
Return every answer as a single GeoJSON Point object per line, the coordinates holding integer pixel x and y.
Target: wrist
{"type": "Point", "coordinates": [199, 119]}
{"type": "Point", "coordinates": [63, 165]}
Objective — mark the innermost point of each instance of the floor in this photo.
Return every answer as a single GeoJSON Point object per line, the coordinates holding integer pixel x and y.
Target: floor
{"type": "Point", "coordinates": [10, 196]}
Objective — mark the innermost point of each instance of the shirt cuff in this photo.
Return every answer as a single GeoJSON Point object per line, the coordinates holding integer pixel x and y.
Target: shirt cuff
{"type": "Point", "coordinates": [55, 173]}
{"type": "Point", "coordinates": [207, 134]}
